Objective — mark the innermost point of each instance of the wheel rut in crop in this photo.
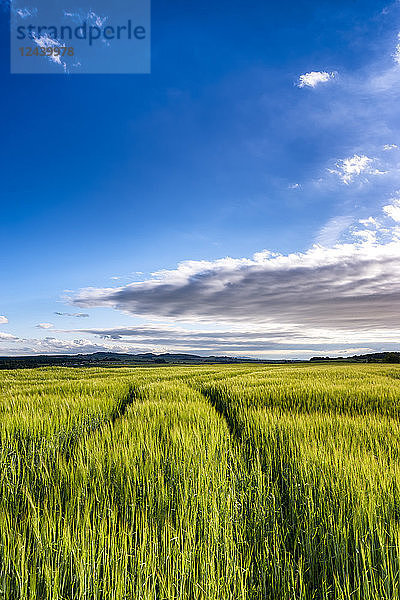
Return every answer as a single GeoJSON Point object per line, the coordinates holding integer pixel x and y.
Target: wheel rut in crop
{"type": "Point", "coordinates": [245, 489]}
{"type": "Point", "coordinates": [260, 477]}
{"type": "Point", "coordinates": [69, 441]}
{"type": "Point", "coordinates": [214, 397]}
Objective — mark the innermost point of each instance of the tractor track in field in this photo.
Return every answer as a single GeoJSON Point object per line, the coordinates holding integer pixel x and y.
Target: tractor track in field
{"type": "Point", "coordinates": [213, 398]}
{"type": "Point", "coordinates": [70, 440]}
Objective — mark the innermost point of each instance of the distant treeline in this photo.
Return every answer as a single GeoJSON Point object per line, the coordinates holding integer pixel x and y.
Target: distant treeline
{"type": "Point", "coordinates": [377, 357]}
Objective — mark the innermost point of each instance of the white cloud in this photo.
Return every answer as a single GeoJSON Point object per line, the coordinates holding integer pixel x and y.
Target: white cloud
{"type": "Point", "coordinates": [393, 209]}
{"type": "Point", "coordinates": [45, 41]}
{"type": "Point", "coordinates": [352, 285]}
{"type": "Point", "coordinates": [7, 337]}
{"type": "Point", "coordinates": [396, 54]}
{"type": "Point", "coordinates": [294, 186]}
{"type": "Point", "coordinates": [314, 78]}
{"type": "Point", "coordinates": [45, 325]}
{"type": "Point", "coordinates": [3, 319]}
{"type": "Point", "coordinates": [350, 168]}
{"type": "Point", "coordinates": [26, 12]}
{"type": "Point", "coordinates": [390, 147]}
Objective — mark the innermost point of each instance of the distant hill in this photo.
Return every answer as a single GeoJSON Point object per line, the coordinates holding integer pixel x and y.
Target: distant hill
{"type": "Point", "coordinates": [115, 359]}
{"type": "Point", "coordinates": [104, 359]}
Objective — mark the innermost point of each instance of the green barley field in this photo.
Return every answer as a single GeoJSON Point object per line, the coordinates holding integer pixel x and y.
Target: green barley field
{"type": "Point", "coordinates": [227, 482]}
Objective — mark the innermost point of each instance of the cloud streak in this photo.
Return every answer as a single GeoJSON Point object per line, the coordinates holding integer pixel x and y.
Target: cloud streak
{"type": "Point", "coordinates": [76, 315]}
{"type": "Point", "coordinates": [239, 341]}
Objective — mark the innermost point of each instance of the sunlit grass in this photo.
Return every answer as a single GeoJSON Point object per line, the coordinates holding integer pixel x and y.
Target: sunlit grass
{"type": "Point", "coordinates": [225, 482]}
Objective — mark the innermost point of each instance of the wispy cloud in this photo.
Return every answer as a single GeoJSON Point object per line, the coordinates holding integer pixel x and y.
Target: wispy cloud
{"type": "Point", "coordinates": [76, 315]}
{"type": "Point", "coordinates": [330, 233]}
{"type": "Point", "coordinates": [3, 319]}
{"type": "Point", "coordinates": [314, 78]}
{"type": "Point", "coordinates": [45, 325]}
{"type": "Point", "coordinates": [353, 167]}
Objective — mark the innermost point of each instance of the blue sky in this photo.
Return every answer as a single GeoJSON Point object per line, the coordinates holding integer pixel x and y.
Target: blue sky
{"type": "Point", "coordinates": [266, 129]}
